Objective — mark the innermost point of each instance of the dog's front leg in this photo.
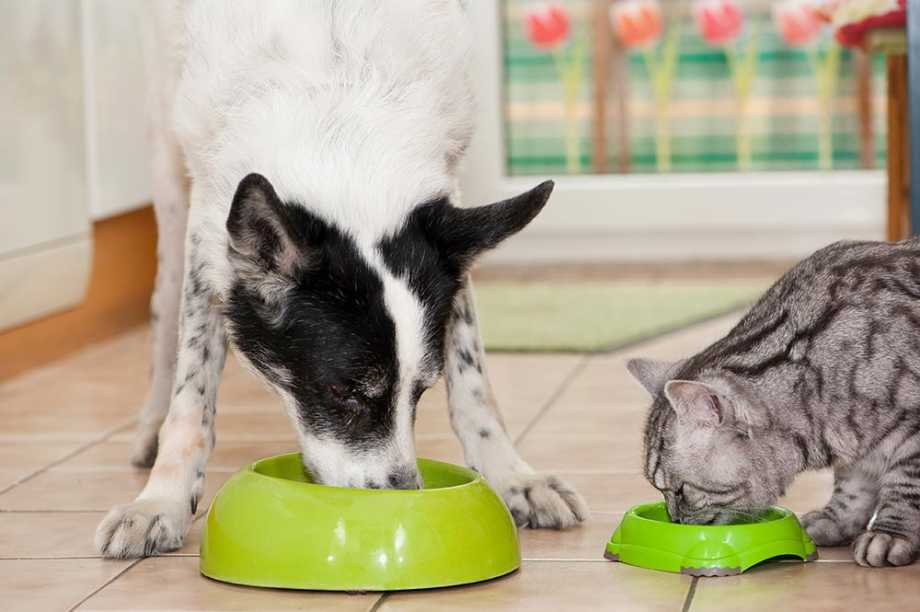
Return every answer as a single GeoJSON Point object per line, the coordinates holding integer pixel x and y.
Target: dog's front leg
{"type": "Point", "coordinates": [535, 500]}
{"type": "Point", "coordinates": [159, 518]}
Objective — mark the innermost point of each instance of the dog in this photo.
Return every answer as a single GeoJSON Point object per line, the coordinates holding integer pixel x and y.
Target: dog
{"type": "Point", "coordinates": [304, 170]}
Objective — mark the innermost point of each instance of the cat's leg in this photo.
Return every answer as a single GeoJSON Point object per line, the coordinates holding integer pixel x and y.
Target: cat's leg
{"type": "Point", "coordinates": [159, 518]}
{"type": "Point", "coordinates": [535, 500]}
{"type": "Point", "coordinates": [893, 537]}
{"type": "Point", "coordinates": [848, 512]}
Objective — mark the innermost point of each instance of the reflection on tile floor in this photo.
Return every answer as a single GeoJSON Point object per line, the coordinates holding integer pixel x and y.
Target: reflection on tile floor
{"type": "Point", "coordinates": [66, 435]}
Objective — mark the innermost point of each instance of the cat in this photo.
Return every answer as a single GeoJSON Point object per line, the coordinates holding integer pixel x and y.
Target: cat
{"type": "Point", "coordinates": [823, 371]}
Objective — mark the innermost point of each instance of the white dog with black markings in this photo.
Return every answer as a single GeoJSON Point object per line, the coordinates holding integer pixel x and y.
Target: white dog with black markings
{"type": "Point", "coordinates": [305, 158]}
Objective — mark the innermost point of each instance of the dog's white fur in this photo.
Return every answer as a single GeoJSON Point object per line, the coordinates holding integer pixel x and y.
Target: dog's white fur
{"type": "Point", "coordinates": [284, 88]}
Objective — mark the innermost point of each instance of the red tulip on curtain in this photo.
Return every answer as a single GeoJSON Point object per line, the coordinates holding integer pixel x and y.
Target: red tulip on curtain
{"type": "Point", "coordinates": [548, 28]}
{"type": "Point", "coordinates": [719, 21]}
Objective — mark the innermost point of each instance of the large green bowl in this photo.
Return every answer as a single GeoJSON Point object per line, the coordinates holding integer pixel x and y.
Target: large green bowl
{"type": "Point", "coordinates": [647, 538]}
{"type": "Point", "coordinates": [270, 526]}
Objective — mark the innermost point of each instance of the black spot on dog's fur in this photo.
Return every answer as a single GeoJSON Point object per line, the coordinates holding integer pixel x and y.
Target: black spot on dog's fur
{"type": "Point", "coordinates": [484, 433]}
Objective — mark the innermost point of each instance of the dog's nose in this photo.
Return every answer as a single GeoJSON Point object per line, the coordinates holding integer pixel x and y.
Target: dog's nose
{"type": "Point", "coordinates": [405, 477]}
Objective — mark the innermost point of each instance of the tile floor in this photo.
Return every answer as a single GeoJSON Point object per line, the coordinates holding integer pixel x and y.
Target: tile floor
{"type": "Point", "coordinates": [65, 432]}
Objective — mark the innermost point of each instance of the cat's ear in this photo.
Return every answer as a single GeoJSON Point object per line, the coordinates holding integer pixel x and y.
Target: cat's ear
{"type": "Point", "coordinates": [652, 374]}
{"type": "Point", "coordinates": [695, 402]}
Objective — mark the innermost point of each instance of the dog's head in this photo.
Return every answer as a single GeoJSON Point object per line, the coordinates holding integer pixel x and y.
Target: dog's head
{"type": "Point", "coordinates": [351, 334]}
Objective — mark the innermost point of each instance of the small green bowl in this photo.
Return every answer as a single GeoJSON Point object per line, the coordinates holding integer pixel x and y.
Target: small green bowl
{"type": "Point", "coordinates": [647, 538]}
{"type": "Point", "coordinates": [270, 526]}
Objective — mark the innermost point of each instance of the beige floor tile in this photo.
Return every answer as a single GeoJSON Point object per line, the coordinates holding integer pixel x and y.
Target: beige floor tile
{"type": "Point", "coordinates": [442, 447]}
{"type": "Point", "coordinates": [810, 491]}
{"type": "Point", "coordinates": [52, 584]}
{"type": "Point", "coordinates": [617, 420]}
{"type": "Point", "coordinates": [30, 456]}
{"type": "Point", "coordinates": [173, 583]}
{"type": "Point", "coordinates": [817, 587]}
{"type": "Point", "coordinates": [83, 422]}
{"type": "Point", "coordinates": [69, 490]}
{"type": "Point", "coordinates": [9, 477]}
{"type": "Point", "coordinates": [20, 459]}
{"type": "Point", "coordinates": [63, 534]}
{"type": "Point", "coordinates": [585, 542]}
{"type": "Point", "coordinates": [573, 453]}
{"type": "Point", "coordinates": [255, 426]}
{"type": "Point", "coordinates": [522, 384]}
{"type": "Point", "coordinates": [70, 405]}
{"type": "Point", "coordinates": [555, 586]}
{"type": "Point", "coordinates": [609, 491]}
{"type": "Point", "coordinates": [227, 455]}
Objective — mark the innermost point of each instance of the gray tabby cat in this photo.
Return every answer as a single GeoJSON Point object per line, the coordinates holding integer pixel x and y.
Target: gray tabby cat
{"type": "Point", "coordinates": [823, 371]}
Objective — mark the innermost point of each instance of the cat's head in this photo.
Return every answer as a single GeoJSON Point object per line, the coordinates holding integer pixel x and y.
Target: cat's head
{"type": "Point", "coordinates": [709, 447]}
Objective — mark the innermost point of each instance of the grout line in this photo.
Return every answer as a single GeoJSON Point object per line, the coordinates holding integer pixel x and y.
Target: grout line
{"type": "Point", "coordinates": [563, 386]}
{"type": "Point", "coordinates": [690, 593]}
{"type": "Point", "coordinates": [105, 436]}
{"type": "Point", "coordinates": [105, 584]}
{"type": "Point", "coordinates": [376, 605]}
{"type": "Point", "coordinates": [586, 357]}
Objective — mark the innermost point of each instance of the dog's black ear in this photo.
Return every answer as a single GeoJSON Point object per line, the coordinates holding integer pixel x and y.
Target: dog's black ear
{"type": "Point", "coordinates": [260, 227]}
{"type": "Point", "coordinates": [463, 233]}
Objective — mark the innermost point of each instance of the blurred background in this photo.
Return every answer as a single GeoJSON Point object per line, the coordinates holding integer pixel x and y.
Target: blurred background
{"type": "Point", "coordinates": [699, 149]}
{"type": "Point", "coordinates": [692, 142]}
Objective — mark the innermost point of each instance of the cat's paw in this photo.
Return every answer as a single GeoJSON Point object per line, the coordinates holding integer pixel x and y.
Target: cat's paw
{"type": "Point", "coordinates": [542, 501]}
{"type": "Point", "coordinates": [878, 549]}
{"type": "Point", "coordinates": [824, 530]}
{"type": "Point", "coordinates": [143, 528]}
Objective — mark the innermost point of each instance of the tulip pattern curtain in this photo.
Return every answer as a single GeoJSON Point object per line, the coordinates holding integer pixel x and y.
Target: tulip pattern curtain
{"type": "Point", "coordinates": [702, 86]}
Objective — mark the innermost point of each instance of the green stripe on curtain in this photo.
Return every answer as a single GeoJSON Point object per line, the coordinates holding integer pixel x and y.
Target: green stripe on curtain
{"type": "Point", "coordinates": [783, 122]}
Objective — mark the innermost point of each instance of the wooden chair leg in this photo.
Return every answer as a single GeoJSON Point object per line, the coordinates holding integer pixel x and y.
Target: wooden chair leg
{"type": "Point", "coordinates": [898, 150]}
{"type": "Point", "coordinates": [912, 111]}
{"type": "Point", "coordinates": [601, 40]}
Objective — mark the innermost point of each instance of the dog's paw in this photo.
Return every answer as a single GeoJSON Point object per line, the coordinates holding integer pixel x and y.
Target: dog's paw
{"type": "Point", "coordinates": [542, 501]}
{"type": "Point", "coordinates": [878, 549]}
{"type": "Point", "coordinates": [143, 528]}
{"type": "Point", "coordinates": [824, 530]}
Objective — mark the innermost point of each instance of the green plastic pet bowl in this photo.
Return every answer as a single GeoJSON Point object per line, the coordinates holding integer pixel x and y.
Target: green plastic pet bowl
{"type": "Point", "coordinates": [270, 526]}
{"type": "Point", "coordinates": [647, 538]}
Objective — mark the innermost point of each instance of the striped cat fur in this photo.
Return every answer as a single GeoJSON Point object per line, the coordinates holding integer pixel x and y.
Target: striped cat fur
{"type": "Point", "coordinates": [823, 371]}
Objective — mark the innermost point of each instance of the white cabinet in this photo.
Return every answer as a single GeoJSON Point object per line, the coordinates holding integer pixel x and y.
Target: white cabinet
{"type": "Point", "coordinates": [44, 225]}
{"type": "Point", "coordinates": [116, 88]}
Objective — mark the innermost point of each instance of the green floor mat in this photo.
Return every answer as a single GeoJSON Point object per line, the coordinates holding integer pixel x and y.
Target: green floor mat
{"type": "Point", "coordinates": [599, 316]}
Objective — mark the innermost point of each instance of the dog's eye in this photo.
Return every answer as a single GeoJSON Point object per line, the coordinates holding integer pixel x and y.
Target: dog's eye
{"type": "Point", "coordinates": [336, 391]}
{"type": "Point", "coordinates": [345, 399]}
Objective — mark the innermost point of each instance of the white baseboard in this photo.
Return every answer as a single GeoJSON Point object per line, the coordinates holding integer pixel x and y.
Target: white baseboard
{"type": "Point", "coordinates": [44, 280]}
{"type": "Point", "coordinates": [675, 246]}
